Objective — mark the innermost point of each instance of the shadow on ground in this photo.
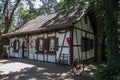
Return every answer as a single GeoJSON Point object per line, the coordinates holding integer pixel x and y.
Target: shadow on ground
{"type": "Point", "coordinates": [22, 69]}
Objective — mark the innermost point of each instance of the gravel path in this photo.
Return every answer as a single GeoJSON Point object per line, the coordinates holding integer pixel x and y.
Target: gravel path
{"type": "Point", "coordinates": [23, 69]}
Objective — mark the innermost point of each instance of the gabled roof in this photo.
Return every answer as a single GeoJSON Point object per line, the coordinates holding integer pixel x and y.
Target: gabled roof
{"type": "Point", "coordinates": [56, 21]}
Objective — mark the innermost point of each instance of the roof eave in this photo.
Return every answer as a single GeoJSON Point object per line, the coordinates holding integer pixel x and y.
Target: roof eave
{"type": "Point", "coordinates": [52, 29]}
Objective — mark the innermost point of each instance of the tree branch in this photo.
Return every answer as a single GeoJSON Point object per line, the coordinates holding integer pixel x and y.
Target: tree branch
{"type": "Point", "coordinates": [14, 8]}
{"type": "Point", "coordinates": [5, 6]}
{"type": "Point", "coordinates": [7, 16]}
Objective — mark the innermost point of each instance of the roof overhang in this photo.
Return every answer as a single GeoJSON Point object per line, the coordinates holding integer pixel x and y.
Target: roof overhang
{"type": "Point", "coordinates": [43, 30]}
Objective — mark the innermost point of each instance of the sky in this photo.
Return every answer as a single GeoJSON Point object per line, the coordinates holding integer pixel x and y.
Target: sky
{"type": "Point", "coordinates": [38, 3]}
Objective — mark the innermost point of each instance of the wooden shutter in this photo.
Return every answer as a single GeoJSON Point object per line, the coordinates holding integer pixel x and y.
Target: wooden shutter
{"type": "Point", "coordinates": [56, 44]}
{"type": "Point", "coordinates": [85, 44]}
{"type": "Point", "coordinates": [14, 45]}
{"type": "Point", "coordinates": [37, 44]}
{"type": "Point", "coordinates": [46, 44]}
{"type": "Point", "coordinates": [18, 45]}
{"type": "Point", "coordinates": [91, 43]}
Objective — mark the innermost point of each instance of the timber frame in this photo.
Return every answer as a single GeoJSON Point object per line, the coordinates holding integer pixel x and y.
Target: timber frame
{"type": "Point", "coordinates": [72, 37]}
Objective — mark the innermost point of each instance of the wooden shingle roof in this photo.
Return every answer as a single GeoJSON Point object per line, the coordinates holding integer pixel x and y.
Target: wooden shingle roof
{"type": "Point", "coordinates": [56, 21]}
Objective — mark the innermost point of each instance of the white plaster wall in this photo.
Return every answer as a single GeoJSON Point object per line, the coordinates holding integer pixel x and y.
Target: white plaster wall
{"type": "Point", "coordinates": [34, 56]}
{"type": "Point", "coordinates": [61, 37]}
{"type": "Point", "coordinates": [40, 57]}
{"type": "Point", "coordinates": [11, 48]}
{"type": "Point", "coordinates": [20, 50]}
{"type": "Point", "coordinates": [60, 40]}
{"type": "Point", "coordinates": [32, 50]}
{"type": "Point", "coordinates": [51, 58]}
{"type": "Point", "coordinates": [80, 33]}
{"type": "Point", "coordinates": [15, 54]}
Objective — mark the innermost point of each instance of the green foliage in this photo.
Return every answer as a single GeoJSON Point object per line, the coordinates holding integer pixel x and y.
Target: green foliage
{"type": "Point", "coordinates": [26, 15]}
{"type": "Point", "coordinates": [107, 73]}
{"type": "Point", "coordinates": [67, 4]}
{"type": "Point", "coordinates": [112, 68]}
{"type": "Point", "coordinates": [100, 71]}
{"type": "Point", "coordinates": [1, 47]}
{"type": "Point", "coordinates": [5, 55]}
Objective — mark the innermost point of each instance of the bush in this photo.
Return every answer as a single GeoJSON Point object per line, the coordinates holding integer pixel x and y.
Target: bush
{"type": "Point", "coordinates": [5, 55]}
{"type": "Point", "coordinates": [1, 48]}
{"type": "Point", "coordinates": [104, 72]}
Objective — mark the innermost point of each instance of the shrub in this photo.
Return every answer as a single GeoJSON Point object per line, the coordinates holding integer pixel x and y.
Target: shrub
{"type": "Point", "coordinates": [104, 72]}
{"type": "Point", "coordinates": [5, 55]}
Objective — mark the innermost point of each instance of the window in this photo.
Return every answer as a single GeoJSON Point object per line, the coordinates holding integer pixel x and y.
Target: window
{"type": "Point", "coordinates": [52, 44]}
{"type": "Point", "coordinates": [16, 46]}
{"type": "Point", "coordinates": [39, 44]}
{"type": "Point", "coordinates": [85, 44]}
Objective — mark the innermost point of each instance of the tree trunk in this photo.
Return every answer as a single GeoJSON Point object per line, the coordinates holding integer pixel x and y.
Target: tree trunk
{"type": "Point", "coordinates": [111, 32]}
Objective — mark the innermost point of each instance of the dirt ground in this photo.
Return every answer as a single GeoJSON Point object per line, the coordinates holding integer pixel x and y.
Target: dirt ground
{"type": "Point", "coordinates": [24, 69]}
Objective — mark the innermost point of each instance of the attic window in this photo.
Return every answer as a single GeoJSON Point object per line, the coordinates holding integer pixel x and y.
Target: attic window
{"type": "Point", "coordinates": [16, 46]}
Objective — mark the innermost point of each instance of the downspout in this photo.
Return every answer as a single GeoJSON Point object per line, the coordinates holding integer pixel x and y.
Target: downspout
{"type": "Point", "coordinates": [71, 45]}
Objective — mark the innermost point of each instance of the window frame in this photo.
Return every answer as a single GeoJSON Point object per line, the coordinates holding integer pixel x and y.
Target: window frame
{"type": "Point", "coordinates": [85, 43]}
{"type": "Point", "coordinates": [88, 45]}
{"type": "Point", "coordinates": [14, 45]}
{"type": "Point", "coordinates": [37, 45]}
{"type": "Point", "coordinates": [55, 45]}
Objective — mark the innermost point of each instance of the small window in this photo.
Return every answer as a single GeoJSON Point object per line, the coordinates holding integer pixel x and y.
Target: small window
{"type": "Point", "coordinates": [52, 44]}
{"type": "Point", "coordinates": [16, 46]}
{"type": "Point", "coordinates": [39, 44]}
{"type": "Point", "coordinates": [85, 44]}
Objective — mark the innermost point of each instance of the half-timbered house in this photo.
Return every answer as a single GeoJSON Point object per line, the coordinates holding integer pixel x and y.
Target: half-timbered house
{"type": "Point", "coordinates": [60, 37]}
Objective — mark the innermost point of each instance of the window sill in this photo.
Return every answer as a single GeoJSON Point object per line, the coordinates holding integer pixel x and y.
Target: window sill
{"type": "Point", "coordinates": [51, 52]}
{"type": "Point", "coordinates": [39, 52]}
{"type": "Point", "coordinates": [15, 50]}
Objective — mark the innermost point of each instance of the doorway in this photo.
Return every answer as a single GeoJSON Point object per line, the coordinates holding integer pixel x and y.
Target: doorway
{"type": "Point", "coordinates": [24, 50]}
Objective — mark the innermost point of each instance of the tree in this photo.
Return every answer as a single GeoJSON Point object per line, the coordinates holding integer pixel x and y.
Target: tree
{"type": "Point", "coordinates": [67, 4]}
{"type": "Point", "coordinates": [7, 10]}
{"type": "Point", "coordinates": [8, 14]}
{"type": "Point", "coordinates": [110, 71]}
{"type": "Point", "coordinates": [26, 15]}
{"type": "Point", "coordinates": [48, 6]}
